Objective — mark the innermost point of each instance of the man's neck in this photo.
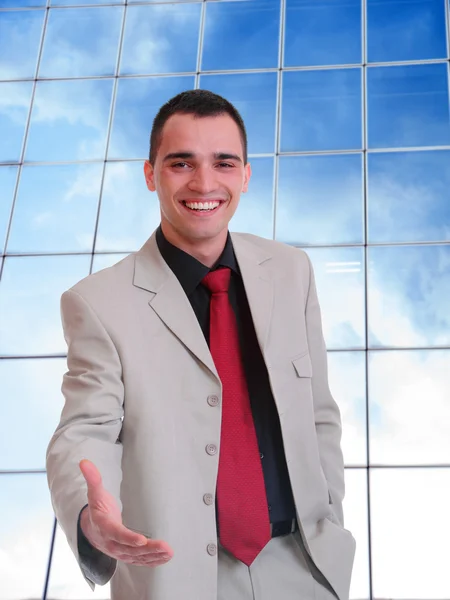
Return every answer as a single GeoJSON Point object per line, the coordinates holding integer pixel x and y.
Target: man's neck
{"type": "Point", "coordinates": [207, 251]}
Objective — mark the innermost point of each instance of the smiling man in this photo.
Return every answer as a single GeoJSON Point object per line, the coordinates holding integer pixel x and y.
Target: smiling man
{"type": "Point", "coordinates": [198, 454]}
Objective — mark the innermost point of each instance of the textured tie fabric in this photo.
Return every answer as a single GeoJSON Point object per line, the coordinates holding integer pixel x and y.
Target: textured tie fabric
{"type": "Point", "coordinates": [241, 494]}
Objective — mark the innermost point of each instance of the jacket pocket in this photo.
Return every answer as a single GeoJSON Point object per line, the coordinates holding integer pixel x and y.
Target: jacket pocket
{"type": "Point", "coordinates": [302, 365]}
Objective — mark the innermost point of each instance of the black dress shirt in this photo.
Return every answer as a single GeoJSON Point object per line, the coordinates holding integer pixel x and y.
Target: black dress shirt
{"type": "Point", "coordinates": [190, 273]}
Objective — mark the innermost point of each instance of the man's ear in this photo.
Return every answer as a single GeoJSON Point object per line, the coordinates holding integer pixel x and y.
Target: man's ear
{"type": "Point", "coordinates": [149, 173]}
{"type": "Point", "coordinates": [248, 174]}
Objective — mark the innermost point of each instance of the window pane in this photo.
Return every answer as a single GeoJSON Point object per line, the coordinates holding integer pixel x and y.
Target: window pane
{"type": "Point", "coordinates": [340, 284]}
{"type": "Point", "coordinates": [323, 32]}
{"type": "Point", "coordinates": [20, 35]}
{"type": "Point", "coordinates": [21, 3]}
{"type": "Point", "coordinates": [103, 261]}
{"type": "Point", "coordinates": [33, 388]}
{"type": "Point", "coordinates": [408, 106]}
{"type": "Point", "coordinates": [347, 378]}
{"type": "Point", "coordinates": [161, 39]}
{"type": "Point", "coordinates": [30, 293]}
{"type": "Point", "coordinates": [69, 120]}
{"type": "Point", "coordinates": [255, 97]}
{"type": "Point", "coordinates": [255, 210]}
{"type": "Point", "coordinates": [138, 101]}
{"type": "Point", "coordinates": [409, 408]}
{"type": "Point", "coordinates": [409, 287]}
{"type": "Point", "coordinates": [66, 581]}
{"type": "Point", "coordinates": [321, 110]}
{"type": "Point", "coordinates": [129, 212]}
{"type": "Point", "coordinates": [80, 42]}
{"type": "Point", "coordinates": [25, 535]}
{"type": "Point", "coordinates": [410, 532]}
{"type": "Point", "coordinates": [408, 196]}
{"type": "Point", "coordinates": [83, 2]}
{"type": "Point", "coordinates": [355, 520]}
{"type": "Point", "coordinates": [14, 106]}
{"type": "Point", "coordinates": [320, 200]}
{"type": "Point", "coordinates": [241, 35]}
{"type": "Point", "coordinates": [399, 30]}
{"type": "Point", "coordinates": [8, 177]}
{"type": "Point", "coordinates": [56, 209]}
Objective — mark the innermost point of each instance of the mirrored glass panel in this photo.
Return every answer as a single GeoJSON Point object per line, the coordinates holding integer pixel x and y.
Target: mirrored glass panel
{"type": "Point", "coordinates": [69, 120]}
{"type": "Point", "coordinates": [153, 35]}
{"type": "Point", "coordinates": [30, 294]}
{"type": "Point", "coordinates": [339, 274]}
{"type": "Point", "coordinates": [26, 530]}
{"type": "Point", "coordinates": [322, 32]}
{"type": "Point", "coordinates": [80, 42]}
{"type": "Point", "coordinates": [103, 261]}
{"type": "Point", "coordinates": [129, 213]}
{"type": "Point", "coordinates": [409, 196]}
{"type": "Point", "coordinates": [22, 3]}
{"type": "Point", "coordinates": [398, 30]}
{"type": "Point", "coordinates": [321, 110]}
{"type": "Point", "coordinates": [255, 97]}
{"type": "Point", "coordinates": [409, 408]}
{"type": "Point", "coordinates": [355, 520]}
{"type": "Point", "coordinates": [320, 200]}
{"type": "Point", "coordinates": [410, 532]}
{"type": "Point", "coordinates": [347, 379]}
{"type": "Point", "coordinates": [56, 209]}
{"type": "Point", "coordinates": [84, 2]}
{"type": "Point", "coordinates": [66, 581]}
{"type": "Point", "coordinates": [14, 108]}
{"type": "Point", "coordinates": [408, 106]}
{"type": "Point", "coordinates": [8, 177]}
{"type": "Point", "coordinates": [255, 211]}
{"type": "Point", "coordinates": [20, 36]}
{"type": "Point", "coordinates": [137, 103]}
{"type": "Point", "coordinates": [241, 35]}
{"type": "Point", "coordinates": [32, 388]}
{"type": "Point", "coordinates": [408, 291]}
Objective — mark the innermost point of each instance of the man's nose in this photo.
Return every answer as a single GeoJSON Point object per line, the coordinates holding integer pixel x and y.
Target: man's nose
{"type": "Point", "coordinates": [203, 180]}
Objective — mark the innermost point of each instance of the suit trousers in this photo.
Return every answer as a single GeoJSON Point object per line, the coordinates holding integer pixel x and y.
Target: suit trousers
{"type": "Point", "coordinates": [283, 571]}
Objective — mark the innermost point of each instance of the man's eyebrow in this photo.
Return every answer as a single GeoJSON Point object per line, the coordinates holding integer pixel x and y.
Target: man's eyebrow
{"type": "Point", "coordinates": [179, 155]}
{"type": "Point", "coordinates": [227, 156]}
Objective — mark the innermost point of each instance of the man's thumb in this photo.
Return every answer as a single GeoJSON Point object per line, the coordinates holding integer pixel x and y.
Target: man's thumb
{"type": "Point", "coordinates": [92, 476]}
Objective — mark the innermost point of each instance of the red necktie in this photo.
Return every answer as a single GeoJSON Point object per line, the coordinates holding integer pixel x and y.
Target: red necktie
{"type": "Point", "coordinates": [241, 494]}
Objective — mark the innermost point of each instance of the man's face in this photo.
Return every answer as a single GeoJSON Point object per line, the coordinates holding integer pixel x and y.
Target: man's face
{"type": "Point", "coordinates": [199, 174]}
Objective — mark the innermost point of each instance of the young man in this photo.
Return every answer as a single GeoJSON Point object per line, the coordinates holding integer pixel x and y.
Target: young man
{"type": "Point", "coordinates": [198, 454]}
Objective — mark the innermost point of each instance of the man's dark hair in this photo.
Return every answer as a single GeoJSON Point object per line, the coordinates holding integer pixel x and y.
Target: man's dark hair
{"type": "Point", "coordinates": [200, 103]}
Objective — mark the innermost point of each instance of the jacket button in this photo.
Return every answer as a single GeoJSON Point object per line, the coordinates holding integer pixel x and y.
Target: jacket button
{"type": "Point", "coordinates": [211, 449]}
{"type": "Point", "coordinates": [208, 499]}
{"type": "Point", "coordinates": [213, 400]}
{"type": "Point", "coordinates": [211, 549]}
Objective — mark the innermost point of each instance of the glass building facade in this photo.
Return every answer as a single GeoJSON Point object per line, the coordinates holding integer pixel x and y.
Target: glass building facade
{"type": "Point", "coordinates": [347, 108]}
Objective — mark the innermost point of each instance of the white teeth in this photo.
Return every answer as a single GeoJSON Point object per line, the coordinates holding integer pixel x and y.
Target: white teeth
{"type": "Point", "coordinates": [202, 205]}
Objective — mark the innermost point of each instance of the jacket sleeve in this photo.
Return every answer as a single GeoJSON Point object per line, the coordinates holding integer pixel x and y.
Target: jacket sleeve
{"type": "Point", "coordinates": [90, 426]}
{"type": "Point", "coordinates": [327, 414]}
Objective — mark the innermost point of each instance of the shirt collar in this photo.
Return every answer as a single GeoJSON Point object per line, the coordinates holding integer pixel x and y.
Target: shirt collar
{"type": "Point", "coordinates": [188, 270]}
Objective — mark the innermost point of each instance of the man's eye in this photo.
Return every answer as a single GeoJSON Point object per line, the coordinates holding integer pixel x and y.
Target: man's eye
{"type": "Point", "coordinates": [225, 165]}
{"type": "Point", "coordinates": [180, 164]}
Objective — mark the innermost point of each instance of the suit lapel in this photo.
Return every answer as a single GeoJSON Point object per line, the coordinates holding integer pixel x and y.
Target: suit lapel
{"type": "Point", "coordinates": [170, 302]}
{"type": "Point", "coordinates": [258, 285]}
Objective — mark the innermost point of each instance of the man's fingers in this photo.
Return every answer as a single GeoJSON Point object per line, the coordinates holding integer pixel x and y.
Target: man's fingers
{"type": "Point", "coordinates": [92, 475]}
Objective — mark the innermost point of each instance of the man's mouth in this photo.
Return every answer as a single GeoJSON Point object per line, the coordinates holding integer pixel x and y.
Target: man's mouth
{"type": "Point", "coordinates": [202, 206]}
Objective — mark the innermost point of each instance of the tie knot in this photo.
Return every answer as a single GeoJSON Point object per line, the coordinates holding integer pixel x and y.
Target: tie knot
{"type": "Point", "coordinates": [217, 281]}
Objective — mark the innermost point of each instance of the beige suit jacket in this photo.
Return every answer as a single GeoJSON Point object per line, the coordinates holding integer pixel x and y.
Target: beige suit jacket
{"type": "Point", "coordinates": [136, 404]}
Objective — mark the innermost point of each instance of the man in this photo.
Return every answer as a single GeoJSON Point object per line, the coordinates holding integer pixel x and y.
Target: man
{"type": "Point", "coordinates": [198, 454]}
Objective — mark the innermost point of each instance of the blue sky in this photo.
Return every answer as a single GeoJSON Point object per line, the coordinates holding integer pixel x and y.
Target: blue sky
{"type": "Point", "coordinates": [311, 179]}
